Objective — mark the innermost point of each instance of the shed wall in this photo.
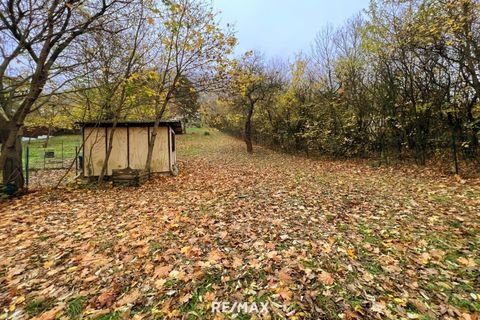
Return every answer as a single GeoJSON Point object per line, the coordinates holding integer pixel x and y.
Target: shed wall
{"type": "Point", "coordinates": [160, 159]}
{"type": "Point", "coordinates": [138, 147]}
{"type": "Point", "coordinates": [173, 150]}
{"type": "Point", "coordinates": [94, 150]}
{"type": "Point", "coordinates": [130, 148]}
{"type": "Point", "coordinates": [119, 156]}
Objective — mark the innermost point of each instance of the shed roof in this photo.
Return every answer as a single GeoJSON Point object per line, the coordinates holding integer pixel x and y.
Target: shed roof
{"type": "Point", "coordinates": [176, 125]}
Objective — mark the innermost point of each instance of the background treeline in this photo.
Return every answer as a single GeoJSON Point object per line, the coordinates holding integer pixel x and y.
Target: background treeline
{"type": "Point", "coordinates": [398, 82]}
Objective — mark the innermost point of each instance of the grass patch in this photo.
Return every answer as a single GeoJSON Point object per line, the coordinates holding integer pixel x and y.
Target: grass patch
{"type": "Point", "coordinates": [311, 264]}
{"type": "Point", "coordinates": [197, 296]}
{"type": "Point", "coordinates": [328, 306]}
{"type": "Point", "coordinates": [155, 246]}
{"type": "Point", "coordinates": [367, 235]}
{"type": "Point", "coordinates": [470, 306]}
{"type": "Point", "coordinates": [75, 307]}
{"type": "Point", "coordinates": [38, 306]}
{"type": "Point", "coordinates": [455, 224]}
{"type": "Point", "coordinates": [67, 143]}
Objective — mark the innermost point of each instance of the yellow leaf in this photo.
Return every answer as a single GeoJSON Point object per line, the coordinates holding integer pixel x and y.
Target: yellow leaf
{"type": "Point", "coordinates": [186, 250]}
{"type": "Point", "coordinates": [351, 253]}
{"type": "Point", "coordinates": [173, 314]}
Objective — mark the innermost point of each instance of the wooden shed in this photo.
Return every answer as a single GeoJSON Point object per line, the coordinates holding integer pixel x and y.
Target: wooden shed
{"type": "Point", "coordinates": [129, 146]}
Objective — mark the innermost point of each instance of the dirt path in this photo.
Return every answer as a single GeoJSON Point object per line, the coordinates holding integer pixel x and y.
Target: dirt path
{"type": "Point", "coordinates": [311, 239]}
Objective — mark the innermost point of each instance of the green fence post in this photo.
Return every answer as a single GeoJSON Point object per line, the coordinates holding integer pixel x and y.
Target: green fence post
{"type": "Point", "coordinates": [76, 160]}
{"type": "Point", "coordinates": [27, 165]}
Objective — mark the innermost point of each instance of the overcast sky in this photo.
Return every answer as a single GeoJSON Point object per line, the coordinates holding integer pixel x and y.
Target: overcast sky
{"type": "Point", "coordinates": [281, 28]}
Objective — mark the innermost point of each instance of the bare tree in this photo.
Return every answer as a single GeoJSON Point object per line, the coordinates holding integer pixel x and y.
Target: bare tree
{"type": "Point", "coordinates": [34, 40]}
{"type": "Point", "coordinates": [192, 45]}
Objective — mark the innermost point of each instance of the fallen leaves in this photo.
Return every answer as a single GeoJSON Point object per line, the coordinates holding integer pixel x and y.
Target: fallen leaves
{"type": "Point", "coordinates": [468, 262]}
{"type": "Point", "coordinates": [50, 314]}
{"type": "Point", "coordinates": [15, 271]}
{"type": "Point", "coordinates": [284, 276]}
{"type": "Point", "coordinates": [108, 296]}
{"type": "Point", "coordinates": [285, 293]}
{"type": "Point", "coordinates": [314, 239]}
{"type": "Point", "coordinates": [162, 271]}
{"type": "Point", "coordinates": [326, 278]}
{"type": "Point", "coordinates": [129, 299]}
{"type": "Point", "coordinates": [215, 256]}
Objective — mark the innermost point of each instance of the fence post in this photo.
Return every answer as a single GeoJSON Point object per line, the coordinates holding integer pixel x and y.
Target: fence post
{"type": "Point", "coordinates": [76, 160]}
{"type": "Point", "coordinates": [27, 165]}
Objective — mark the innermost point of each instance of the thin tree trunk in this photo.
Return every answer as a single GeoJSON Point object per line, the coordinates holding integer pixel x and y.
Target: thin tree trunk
{"type": "Point", "coordinates": [103, 172]}
{"type": "Point", "coordinates": [248, 129]}
{"type": "Point", "coordinates": [153, 136]}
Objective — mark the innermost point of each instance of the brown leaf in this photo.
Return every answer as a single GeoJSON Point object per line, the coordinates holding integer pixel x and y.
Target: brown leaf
{"type": "Point", "coordinates": [284, 276]}
{"type": "Point", "coordinates": [162, 271]}
{"type": "Point", "coordinates": [105, 299]}
{"type": "Point", "coordinates": [379, 307]}
{"type": "Point", "coordinates": [108, 296]}
{"type": "Point", "coordinates": [129, 298]}
{"type": "Point", "coordinates": [215, 256]}
{"type": "Point", "coordinates": [285, 293]}
{"type": "Point", "coordinates": [424, 258]}
{"type": "Point", "coordinates": [467, 262]}
{"type": "Point", "coordinates": [19, 269]}
{"type": "Point", "coordinates": [237, 263]}
{"type": "Point", "coordinates": [209, 296]}
{"type": "Point", "coordinates": [326, 278]}
{"type": "Point", "coordinates": [185, 298]}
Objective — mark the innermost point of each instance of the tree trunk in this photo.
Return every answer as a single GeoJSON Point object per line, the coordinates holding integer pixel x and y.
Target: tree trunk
{"type": "Point", "coordinates": [103, 172]}
{"type": "Point", "coordinates": [12, 168]}
{"type": "Point", "coordinates": [152, 138]}
{"type": "Point", "coordinates": [248, 129]}
{"type": "Point", "coordinates": [151, 145]}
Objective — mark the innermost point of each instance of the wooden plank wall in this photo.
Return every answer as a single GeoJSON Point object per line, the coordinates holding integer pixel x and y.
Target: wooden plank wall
{"type": "Point", "coordinates": [94, 151]}
{"type": "Point", "coordinates": [119, 155]}
{"type": "Point", "coordinates": [160, 151]}
{"type": "Point", "coordinates": [134, 140]}
{"type": "Point", "coordinates": [138, 147]}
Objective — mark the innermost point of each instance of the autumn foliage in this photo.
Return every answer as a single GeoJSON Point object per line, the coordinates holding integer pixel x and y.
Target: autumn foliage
{"type": "Point", "coordinates": [314, 239]}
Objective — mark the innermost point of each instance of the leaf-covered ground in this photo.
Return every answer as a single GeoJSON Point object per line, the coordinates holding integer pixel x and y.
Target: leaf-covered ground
{"type": "Point", "coordinates": [313, 239]}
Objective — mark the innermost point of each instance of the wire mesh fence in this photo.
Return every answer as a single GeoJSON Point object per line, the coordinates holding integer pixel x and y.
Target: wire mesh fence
{"type": "Point", "coordinates": [47, 159]}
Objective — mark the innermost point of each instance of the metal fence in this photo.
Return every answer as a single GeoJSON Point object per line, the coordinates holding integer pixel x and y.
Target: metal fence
{"type": "Point", "coordinates": [41, 157]}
